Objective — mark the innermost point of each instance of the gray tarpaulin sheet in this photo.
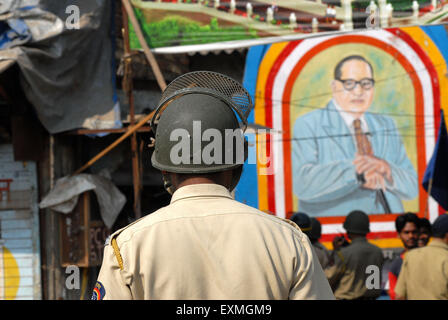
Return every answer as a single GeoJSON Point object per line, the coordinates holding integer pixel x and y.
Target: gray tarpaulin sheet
{"type": "Point", "coordinates": [64, 196]}
{"type": "Point", "coordinates": [67, 74]}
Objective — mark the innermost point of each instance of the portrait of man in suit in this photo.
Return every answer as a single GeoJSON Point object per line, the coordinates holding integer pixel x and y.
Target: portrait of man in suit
{"type": "Point", "coordinates": [346, 158]}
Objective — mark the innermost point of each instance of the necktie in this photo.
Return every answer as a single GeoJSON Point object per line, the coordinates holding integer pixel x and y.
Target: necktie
{"type": "Point", "coordinates": [362, 143]}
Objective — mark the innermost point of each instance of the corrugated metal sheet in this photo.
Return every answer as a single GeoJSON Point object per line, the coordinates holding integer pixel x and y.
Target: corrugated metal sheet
{"type": "Point", "coordinates": [19, 231]}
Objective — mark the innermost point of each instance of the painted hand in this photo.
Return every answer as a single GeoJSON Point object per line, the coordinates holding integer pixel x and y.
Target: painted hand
{"type": "Point", "coordinates": [375, 171]}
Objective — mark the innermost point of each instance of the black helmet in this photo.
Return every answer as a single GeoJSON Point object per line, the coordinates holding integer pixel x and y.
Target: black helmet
{"type": "Point", "coordinates": [316, 230]}
{"type": "Point", "coordinates": [197, 124]}
{"type": "Point", "coordinates": [357, 222]}
{"type": "Point", "coordinates": [303, 221]}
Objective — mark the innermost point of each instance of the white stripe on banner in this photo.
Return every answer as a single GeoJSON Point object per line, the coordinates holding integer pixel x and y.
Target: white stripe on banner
{"type": "Point", "coordinates": [277, 96]}
{"type": "Point", "coordinates": [374, 227]}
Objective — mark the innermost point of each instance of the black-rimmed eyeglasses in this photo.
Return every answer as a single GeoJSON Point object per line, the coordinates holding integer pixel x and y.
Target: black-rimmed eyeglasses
{"type": "Point", "coordinates": [350, 84]}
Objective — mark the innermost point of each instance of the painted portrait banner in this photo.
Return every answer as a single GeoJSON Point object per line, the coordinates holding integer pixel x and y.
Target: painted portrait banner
{"type": "Point", "coordinates": [354, 121]}
{"type": "Point", "coordinates": [174, 26]}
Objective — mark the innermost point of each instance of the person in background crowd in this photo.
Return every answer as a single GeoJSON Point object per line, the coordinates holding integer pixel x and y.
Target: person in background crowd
{"type": "Point", "coordinates": [407, 226]}
{"type": "Point", "coordinates": [347, 275]}
{"type": "Point", "coordinates": [322, 253]}
{"type": "Point", "coordinates": [424, 232]}
{"type": "Point", "coordinates": [303, 221]}
{"type": "Point", "coordinates": [424, 274]}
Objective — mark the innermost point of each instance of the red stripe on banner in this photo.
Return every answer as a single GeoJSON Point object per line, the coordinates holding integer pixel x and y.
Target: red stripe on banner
{"type": "Point", "coordinates": [371, 236]}
{"type": "Point", "coordinates": [436, 97]}
{"type": "Point", "coordinates": [404, 63]}
{"type": "Point", "coordinates": [268, 112]}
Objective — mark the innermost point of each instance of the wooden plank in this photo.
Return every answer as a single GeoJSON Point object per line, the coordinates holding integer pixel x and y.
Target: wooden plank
{"type": "Point", "coordinates": [22, 251]}
{"type": "Point", "coordinates": [18, 199]}
{"type": "Point", "coordinates": [22, 262]}
{"type": "Point", "coordinates": [15, 224]}
{"type": "Point", "coordinates": [74, 229]}
{"type": "Point", "coordinates": [24, 281]}
{"type": "Point", "coordinates": [17, 234]}
{"type": "Point", "coordinates": [18, 244]}
{"type": "Point", "coordinates": [15, 214]}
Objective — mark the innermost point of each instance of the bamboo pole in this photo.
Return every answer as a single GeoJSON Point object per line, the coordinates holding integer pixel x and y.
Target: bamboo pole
{"type": "Point", "coordinates": [128, 84]}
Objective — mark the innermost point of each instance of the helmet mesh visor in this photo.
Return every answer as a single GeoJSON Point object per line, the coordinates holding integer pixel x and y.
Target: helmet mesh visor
{"type": "Point", "coordinates": [211, 82]}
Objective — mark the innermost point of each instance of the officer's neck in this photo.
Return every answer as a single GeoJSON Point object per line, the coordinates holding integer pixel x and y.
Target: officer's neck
{"type": "Point", "coordinates": [180, 181]}
{"type": "Point", "coordinates": [198, 180]}
{"type": "Point", "coordinates": [354, 236]}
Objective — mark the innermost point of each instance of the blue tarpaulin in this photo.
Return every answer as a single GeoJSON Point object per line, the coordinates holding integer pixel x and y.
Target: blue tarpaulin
{"type": "Point", "coordinates": [435, 180]}
{"type": "Point", "coordinates": [13, 32]}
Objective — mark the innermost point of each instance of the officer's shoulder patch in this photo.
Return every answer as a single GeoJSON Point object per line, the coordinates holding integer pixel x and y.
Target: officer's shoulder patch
{"type": "Point", "coordinates": [98, 291]}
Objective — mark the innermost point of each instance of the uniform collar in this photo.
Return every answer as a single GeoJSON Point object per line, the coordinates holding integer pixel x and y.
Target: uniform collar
{"type": "Point", "coordinates": [200, 190]}
{"type": "Point", "coordinates": [438, 244]}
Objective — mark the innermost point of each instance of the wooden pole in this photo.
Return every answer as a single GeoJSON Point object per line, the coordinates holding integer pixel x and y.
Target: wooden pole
{"type": "Point", "coordinates": [152, 61]}
{"type": "Point", "coordinates": [128, 84]}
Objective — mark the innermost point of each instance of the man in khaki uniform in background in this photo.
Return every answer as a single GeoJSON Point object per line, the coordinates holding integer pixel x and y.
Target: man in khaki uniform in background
{"type": "Point", "coordinates": [312, 228]}
{"type": "Point", "coordinates": [205, 245]}
{"type": "Point", "coordinates": [347, 274]}
{"type": "Point", "coordinates": [424, 274]}
{"type": "Point", "coordinates": [314, 235]}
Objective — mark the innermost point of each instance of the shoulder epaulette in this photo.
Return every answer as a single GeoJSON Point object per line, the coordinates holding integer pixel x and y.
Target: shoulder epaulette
{"type": "Point", "coordinates": [112, 240]}
{"type": "Point", "coordinates": [117, 253]}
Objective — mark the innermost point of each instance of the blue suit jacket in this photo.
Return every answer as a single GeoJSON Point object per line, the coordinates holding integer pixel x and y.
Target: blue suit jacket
{"type": "Point", "coordinates": [324, 178]}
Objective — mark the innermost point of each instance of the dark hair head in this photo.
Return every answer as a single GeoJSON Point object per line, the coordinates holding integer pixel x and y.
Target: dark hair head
{"type": "Point", "coordinates": [440, 226]}
{"type": "Point", "coordinates": [337, 69]}
{"type": "Point", "coordinates": [424, 223]}
{"type": "Point", "coordinates": [401, 220]}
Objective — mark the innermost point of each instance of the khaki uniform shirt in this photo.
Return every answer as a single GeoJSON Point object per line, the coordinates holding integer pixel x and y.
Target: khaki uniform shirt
{"type": "Point", "coordinates": [205, 245]}
{"type": "Point", "coordinates": [347, 276]}
{"type": "Point", "coordinates": [424, 273]}
{"type": "Point", "coordinates": [322, 254]}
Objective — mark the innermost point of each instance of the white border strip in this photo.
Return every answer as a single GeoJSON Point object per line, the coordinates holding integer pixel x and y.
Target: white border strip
{"type": "Point", "coordinates": [374, 227]}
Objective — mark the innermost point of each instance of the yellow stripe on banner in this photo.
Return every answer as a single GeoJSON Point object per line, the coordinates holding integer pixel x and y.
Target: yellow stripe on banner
{"type": "Point", "coordinates": [436, 58]}
{"type": "Point", "coordinates": [382, 243]}
{"type": "Point", "coordinates": [260, 118]}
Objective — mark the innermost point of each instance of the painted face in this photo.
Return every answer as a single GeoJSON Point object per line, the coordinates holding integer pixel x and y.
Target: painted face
{"type": "Point", "coordinates": [351, 96]}
{"type": "Point", "coordinates": [409, 235]}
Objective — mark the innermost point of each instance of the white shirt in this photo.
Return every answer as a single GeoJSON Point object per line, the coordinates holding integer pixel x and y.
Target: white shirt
{"type": "Point", "coordinates": [349, 118]}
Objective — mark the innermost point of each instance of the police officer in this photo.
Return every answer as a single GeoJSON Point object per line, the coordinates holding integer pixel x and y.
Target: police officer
{"type": "Point", "coordinates": [349, 271]}
{"type": "Point", "coordinates": [303, 221]}
{"type": "Point", "coordinates": [322, 253]}
{"type": "Point", "coordinates": [312, 228]}
{"type": "Point", "coordinates": [424, 273]}
{"type": "Point", "coordinates": [204, 244]}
